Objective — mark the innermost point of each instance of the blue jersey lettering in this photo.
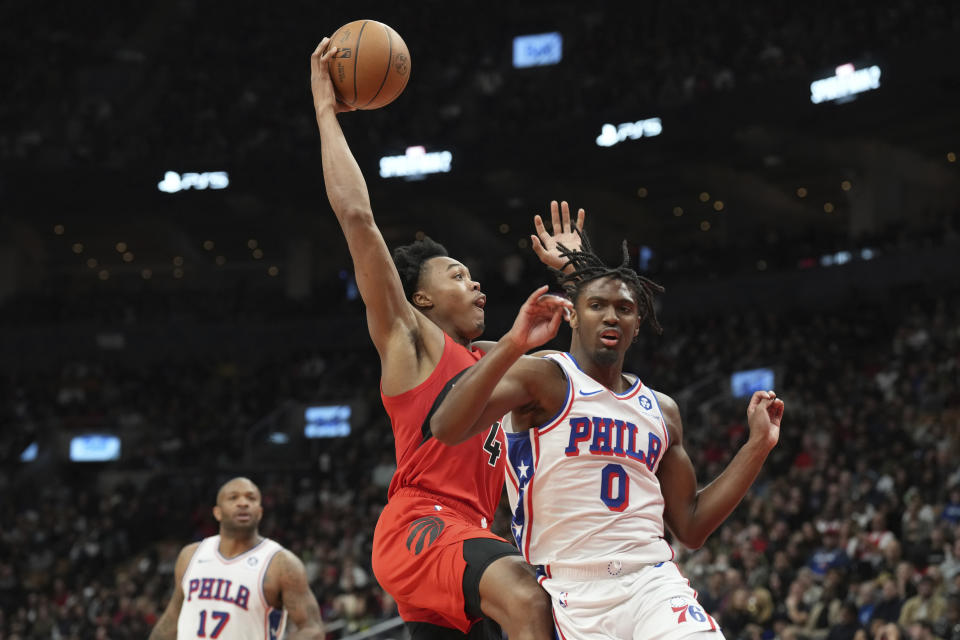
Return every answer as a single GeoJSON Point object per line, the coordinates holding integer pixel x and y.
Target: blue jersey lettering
{"type": "Point", "coordinates": [602, 436]}
{"type": "Point", "coordinates": [611, 437]}
{"type": "Point", "coordinates": [579, 432]}
{"type": "Point", "coordinates": [653, 451]}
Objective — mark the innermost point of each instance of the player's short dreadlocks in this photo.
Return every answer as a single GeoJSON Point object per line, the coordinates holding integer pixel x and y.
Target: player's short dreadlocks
{"type": "Point", "coordinates": [587, 266]}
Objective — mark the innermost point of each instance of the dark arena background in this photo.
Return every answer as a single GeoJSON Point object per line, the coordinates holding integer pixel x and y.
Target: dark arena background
{"type": "Point", "coordinates": [177, 305]}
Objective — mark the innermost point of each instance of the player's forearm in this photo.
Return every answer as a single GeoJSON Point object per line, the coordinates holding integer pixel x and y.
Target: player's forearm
{"type": "Point", "coordinates": [346, 188]}
{"type": "Point", "coordinates": [717, 500]}
{"type": "Point", "coordinates": [462, 410]}
{"type": "Point", "coordinates": [312, 631]}
{"type": "Point", "coordinates": [165, 629]}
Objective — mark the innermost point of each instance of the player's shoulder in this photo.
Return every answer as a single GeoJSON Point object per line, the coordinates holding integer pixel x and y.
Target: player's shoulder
{"type": "Point", "coordinates": [543, 363]}
{"type": "Point", "coordinates": [664, 400]}
{"type": "Point", "coordinates": [184, 557]}
{"type": "Point", "coordinates": [669, 406]}
{"type": "Point", "coordinates": [671, 415]}
{"type": "Point", "coordinates": [284, 565]}
{"type": "Point", "coordinates": [188, 550]}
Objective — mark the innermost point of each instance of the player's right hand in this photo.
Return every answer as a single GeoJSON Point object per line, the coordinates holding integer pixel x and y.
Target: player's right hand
{"type": "Point", "coordinates": [320, 82]}
{"type": "Point", "coordinates": [539, 320]}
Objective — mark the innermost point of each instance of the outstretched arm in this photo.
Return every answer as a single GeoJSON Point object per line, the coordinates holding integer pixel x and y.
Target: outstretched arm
{"type": "Point", "coordinates": [166, 627]}
{"type": "Point", "coordinates": [388, 311]}
{"type": "Point", "coordinates": [503, 380]}
{"type": "Point", "coordinates": [297, 599]}
{"type": "Point", "coordinates": [691, 515]}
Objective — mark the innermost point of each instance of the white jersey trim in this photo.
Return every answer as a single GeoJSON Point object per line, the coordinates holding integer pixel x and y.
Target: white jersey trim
{"type": "Point", "coordinates": [564, 410]}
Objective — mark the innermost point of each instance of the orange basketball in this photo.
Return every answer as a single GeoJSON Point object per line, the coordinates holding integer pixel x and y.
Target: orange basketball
{"type": "Point", "coordinates": [371, 66]}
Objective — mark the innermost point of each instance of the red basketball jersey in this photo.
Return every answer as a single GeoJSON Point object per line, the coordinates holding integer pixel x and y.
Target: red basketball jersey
{"type": "Point", "coordinates": [470, 473]}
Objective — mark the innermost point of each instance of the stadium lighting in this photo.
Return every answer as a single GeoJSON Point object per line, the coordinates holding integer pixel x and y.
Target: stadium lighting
{"type": "Point", "coordinates": [173, 182]}
{"type": "Point", "coordinates": [415, 163]}
{"type": "Point", "coordinates": [614, 134]}
{"type": "Point", "coordinates": [845, 84]}
{"type": "Point", "coordinates": [537, 50]}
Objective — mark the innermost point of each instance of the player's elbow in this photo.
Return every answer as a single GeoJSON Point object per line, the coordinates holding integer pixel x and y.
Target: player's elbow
{"type": "Point", "coordinates": [443, 431]}
{"type": "Point", "coordinates": [691, 542]}
{"type": "Point", "coordinates": [356, 217]}
{"type": "Point", "coordinates": [689, 536]}
{"type": "Point", "coordinates": [447, 429]}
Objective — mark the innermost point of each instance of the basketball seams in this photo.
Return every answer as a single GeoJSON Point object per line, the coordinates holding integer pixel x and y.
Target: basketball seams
{"type": "Point", "coordinates": [400, 90]}
{"type": "Point", "coordinates": [356, 56]}
{"type": "Point", "coordinates": [386, 73]}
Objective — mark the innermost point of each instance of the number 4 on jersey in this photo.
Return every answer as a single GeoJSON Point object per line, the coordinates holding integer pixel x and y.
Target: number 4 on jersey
{"type": "Point", "coordinates": [492, 446]}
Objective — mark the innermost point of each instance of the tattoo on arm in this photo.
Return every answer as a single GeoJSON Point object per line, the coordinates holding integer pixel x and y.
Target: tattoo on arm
{"type": "Point", "coordinates": [298, 599]}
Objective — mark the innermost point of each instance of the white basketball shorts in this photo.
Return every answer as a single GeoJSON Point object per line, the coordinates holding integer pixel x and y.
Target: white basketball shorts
{"type": "Point", "coordinates": [653, 602]}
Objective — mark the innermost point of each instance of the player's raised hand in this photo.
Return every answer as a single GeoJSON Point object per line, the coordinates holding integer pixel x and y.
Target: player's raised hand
{"type": "Point", "coordinates": [538, 320]}
{"type": "Point", "coordinates": [763, 415]}
{"type": "Point", "coordinates": [320, 83]}
{"type": "Point", "coordinates": [545, 245]}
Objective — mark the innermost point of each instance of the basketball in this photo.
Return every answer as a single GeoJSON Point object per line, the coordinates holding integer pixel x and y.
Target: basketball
{"type": "Point", "coordinates": [371, 66]}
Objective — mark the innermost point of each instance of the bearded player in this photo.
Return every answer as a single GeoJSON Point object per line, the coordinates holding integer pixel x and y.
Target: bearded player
{"type": "Point", "coordinates": [239, 585]}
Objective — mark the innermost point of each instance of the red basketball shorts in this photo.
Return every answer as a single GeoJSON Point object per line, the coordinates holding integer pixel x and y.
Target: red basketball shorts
{"type": "Point", "coordinates": [418, 557]}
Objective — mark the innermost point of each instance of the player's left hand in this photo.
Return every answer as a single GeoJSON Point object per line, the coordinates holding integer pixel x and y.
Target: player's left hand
{"type": "Point", "coordinates": [545, 245]}
{"type": "Point", "coordinates": [763, 415]}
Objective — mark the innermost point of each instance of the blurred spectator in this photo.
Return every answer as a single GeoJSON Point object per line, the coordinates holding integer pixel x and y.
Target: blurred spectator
{"type": "Point", "coordinates": [831, 555]}
{"type": "Point", "coordinates": [947, 627]}
{"type": "Point", "coordinates": [847, 625]}
{"type": "Point", "coordinates": [927, 606]}
{"type": "Point", "coordinates": [949, 568]}
{"type": "Point", "coordinates": [951, 510]}
{"type": "Point", "coordinates": [890, 604]}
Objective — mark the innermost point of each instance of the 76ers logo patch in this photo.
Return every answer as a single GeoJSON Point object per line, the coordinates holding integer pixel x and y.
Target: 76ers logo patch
{"type": "Point", "coordinates": [645, 403]}
{"type": "Point", "coordinates": [687, 611]}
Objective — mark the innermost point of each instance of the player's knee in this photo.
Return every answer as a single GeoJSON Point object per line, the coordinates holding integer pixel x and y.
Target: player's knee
{"type": "Point", "coordinates": [510, 588]}
{"type": "Point", "coordinates": [532, 600]}
{"type": "Point", "coordinates": [527, 598]}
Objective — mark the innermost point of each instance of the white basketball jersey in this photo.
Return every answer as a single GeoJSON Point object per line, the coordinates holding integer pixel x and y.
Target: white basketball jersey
{"type": "Point", "coordinates": [223, 597]}
{"type": "Point", "coordinates": [583, 487]}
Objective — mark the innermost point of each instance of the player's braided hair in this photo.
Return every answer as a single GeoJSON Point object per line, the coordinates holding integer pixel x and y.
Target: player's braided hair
{"type": "Point", "coordinates": [587, 266]}
{"type": "Point", "coordinates": [409, 259]}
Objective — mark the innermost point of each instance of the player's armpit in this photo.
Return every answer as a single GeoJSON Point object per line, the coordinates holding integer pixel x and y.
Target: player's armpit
{"type": "Point", "coordinates": [678, 482]}
{"type": "Point", "coordinates": [678, 479]}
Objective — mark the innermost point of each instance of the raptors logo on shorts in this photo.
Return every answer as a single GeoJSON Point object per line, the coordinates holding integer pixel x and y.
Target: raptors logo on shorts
{"type": "Point", "coordinates": [423, 532]}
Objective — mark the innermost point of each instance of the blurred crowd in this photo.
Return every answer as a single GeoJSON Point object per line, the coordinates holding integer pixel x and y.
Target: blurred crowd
{"type": "Point", "coordinates": [215, 82]}
{"type": "Point", "coordinates": [852, 530]}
